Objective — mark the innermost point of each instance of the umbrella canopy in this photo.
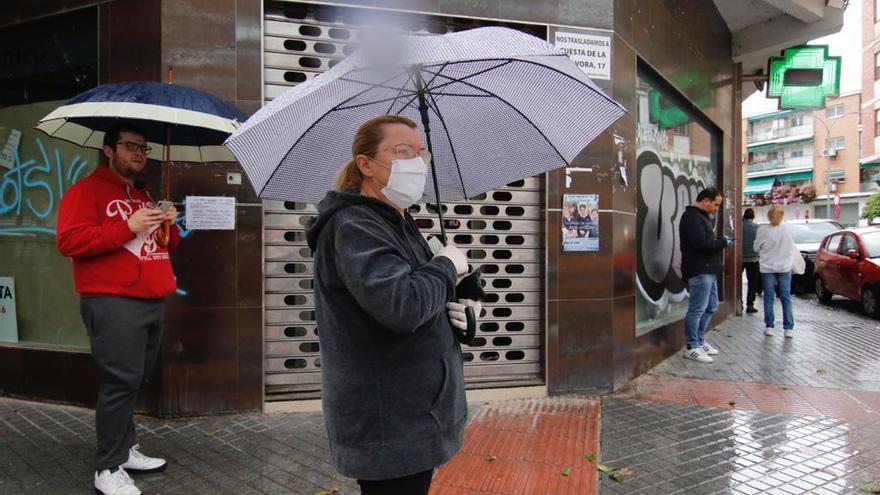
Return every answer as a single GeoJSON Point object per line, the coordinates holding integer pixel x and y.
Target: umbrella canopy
{"type": "Point", "coordinates": [501, 106]}
{"type": "Point", "coordinates": [193, 122]}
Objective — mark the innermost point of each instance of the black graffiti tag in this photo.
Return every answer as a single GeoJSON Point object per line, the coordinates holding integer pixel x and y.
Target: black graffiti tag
{"type": "Point", "coordinates": [662, 198]}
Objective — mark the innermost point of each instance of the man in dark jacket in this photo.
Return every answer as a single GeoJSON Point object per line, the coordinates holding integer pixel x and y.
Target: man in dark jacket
{"type": "Point", "coordinates": [750, 259]}
{"type": "Point", "coordinates": [701, 260]}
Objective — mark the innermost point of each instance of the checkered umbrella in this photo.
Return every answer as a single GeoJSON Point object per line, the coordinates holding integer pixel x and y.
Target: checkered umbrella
{"type": "Point", "coordinates": [497, 105]}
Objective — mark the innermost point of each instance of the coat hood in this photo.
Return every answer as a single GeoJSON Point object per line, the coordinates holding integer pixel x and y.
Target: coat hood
{"type": "Point", "coordinates": [336, 201]}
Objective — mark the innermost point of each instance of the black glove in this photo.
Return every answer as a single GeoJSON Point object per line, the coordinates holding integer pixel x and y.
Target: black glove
{"type": "Point", "coordinates": [470, 287]}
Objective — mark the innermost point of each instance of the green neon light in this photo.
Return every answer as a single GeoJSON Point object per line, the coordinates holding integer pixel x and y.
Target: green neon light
{"type": "Point", "coordinates": [800, 94]}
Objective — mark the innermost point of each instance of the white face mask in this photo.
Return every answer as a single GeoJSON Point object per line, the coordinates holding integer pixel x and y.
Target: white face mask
{"type": "Point", "coordinates": [406, 184]}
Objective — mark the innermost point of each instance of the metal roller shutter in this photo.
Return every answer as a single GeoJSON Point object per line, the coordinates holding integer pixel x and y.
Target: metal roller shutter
{"type": "Point", "coordinates": [501, 230]}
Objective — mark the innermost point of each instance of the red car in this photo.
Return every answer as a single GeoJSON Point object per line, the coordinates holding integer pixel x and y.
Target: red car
{"type": "Point", "coordinates": [848, 264]}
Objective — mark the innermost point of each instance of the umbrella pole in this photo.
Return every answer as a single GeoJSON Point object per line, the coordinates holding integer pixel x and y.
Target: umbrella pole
{"type": "Point", "coordinates": [166, 225]}
{"type": "Point", "coordinates": [426, 125]}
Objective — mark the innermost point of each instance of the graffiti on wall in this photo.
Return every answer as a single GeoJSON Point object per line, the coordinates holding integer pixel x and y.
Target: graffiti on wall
{"type": "Point", "coordinates": [32, 187]}
{"type": "Point", "coordinates": [668, 181]}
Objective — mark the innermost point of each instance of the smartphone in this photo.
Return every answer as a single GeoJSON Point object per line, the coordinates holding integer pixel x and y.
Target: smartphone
{"type": "Point", "coordinates": [164, 205]}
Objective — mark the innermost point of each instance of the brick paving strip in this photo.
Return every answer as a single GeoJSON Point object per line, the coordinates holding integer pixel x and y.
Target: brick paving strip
{"type": "Point", "coordinates": [852, 405]}
{"type": "Point", "coordinates": [524, 447]}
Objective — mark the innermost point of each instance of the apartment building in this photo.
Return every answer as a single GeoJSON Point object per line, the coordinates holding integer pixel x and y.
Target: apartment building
{"type": "Point", "coordinates": [807, 161]}
{"type": "Point", "coordinates": [870, 106]}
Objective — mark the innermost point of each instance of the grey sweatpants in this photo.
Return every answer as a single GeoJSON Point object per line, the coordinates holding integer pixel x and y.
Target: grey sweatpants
{"type": "Point", "coordinates": [124, 335]}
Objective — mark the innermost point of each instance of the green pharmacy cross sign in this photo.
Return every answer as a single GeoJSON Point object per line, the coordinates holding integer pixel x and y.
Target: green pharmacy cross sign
{"type": "Point", "coordinates": [803, 77]}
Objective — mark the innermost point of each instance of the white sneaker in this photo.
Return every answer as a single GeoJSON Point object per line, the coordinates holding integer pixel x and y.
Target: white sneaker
{"type": "Point", "coordinates": [139, 463]}
{"type": "Point", "coordinates": [708, 349]}
{"type": "Point", "coordinates": [698, 354]}
{"type": "Point", "coordinates": [117, 483]}
{"type": "Point", "coordinates": [768, 331]}
{"type": "Point", "coordinates": [788, 334]}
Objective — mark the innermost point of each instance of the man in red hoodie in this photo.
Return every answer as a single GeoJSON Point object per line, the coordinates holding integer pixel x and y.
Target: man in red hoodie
{"type": "Point", "coordinates": [110, 226]}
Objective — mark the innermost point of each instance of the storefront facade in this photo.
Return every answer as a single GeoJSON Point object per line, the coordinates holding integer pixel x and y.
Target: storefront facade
{"type": "Point", "coordinates": [564, 316]}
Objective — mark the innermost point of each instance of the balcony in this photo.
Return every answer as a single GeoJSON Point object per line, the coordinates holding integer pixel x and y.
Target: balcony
{"type": "Point", "coordinates": [869, 186]}
{"type": "Point", "coordinates": [801, 131]}
{"type": "Point", "coordinates": [789, 162]}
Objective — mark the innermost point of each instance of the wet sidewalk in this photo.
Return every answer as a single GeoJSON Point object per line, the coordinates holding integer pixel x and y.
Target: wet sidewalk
{"type": "Point", "coordinates": [769, 416]}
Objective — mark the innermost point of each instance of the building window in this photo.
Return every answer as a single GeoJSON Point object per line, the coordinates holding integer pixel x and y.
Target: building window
{"type": "Point", "coordinates": [877, 66]}
{"type": "Point", "coordinates": [797, 153]}
{"type": "Point", "coordinates": [668, 178]}
{"type": "Point", "coordinates": [680, 130]}
{"type": "Point", "coordinates": [834, 143]}
{"type": "Point", "coordinates": [834, 112]}
{"type": "Point", "coordinates": [42, 64]}
{"type": "Point", "coordinates": [796, 121]}
{"type": "Point", "coordinates": [876, 122]}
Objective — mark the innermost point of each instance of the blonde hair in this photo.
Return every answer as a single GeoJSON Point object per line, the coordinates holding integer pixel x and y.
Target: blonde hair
{"type": "Point", "coordinates": [365, 142]}
{"type": "Point", "coordinates": [775, 214]}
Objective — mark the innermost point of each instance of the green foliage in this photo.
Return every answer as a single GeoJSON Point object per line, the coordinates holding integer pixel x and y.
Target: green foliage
{"type": "Point", "coordinates": [872, 207]}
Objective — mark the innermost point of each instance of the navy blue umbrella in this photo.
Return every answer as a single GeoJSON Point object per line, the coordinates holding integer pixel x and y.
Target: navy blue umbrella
{"type": "Point", "coordinates": [181, 123]}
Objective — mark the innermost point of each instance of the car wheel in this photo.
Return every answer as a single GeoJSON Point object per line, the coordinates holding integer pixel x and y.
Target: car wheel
{"type": "Point", "coordinates": [822, 292]}
{"type": "Point", "coordinates": [869, 302]}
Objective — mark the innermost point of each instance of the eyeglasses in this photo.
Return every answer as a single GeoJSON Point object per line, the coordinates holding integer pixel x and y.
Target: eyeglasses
{"type": "Point", "coordinates": [130, 146]}
{"type": "Point", "coordinates": [405, 152]}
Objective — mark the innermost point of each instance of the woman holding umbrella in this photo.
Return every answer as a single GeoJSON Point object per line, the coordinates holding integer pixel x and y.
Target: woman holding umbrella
{"type": "Point", "coordinates": [393, 384]}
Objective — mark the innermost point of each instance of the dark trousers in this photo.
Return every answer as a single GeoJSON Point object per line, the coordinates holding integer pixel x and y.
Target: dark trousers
{"type": "Point", "coordinates": [414, 484]}
{"type": "Point", "coordinates": [124, 334]}
{"type": "Point", "coordinates": [753, 279]}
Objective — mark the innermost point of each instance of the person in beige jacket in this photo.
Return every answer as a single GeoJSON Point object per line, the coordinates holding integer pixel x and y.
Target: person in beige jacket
{"type": "Point", "coordinates": [775, 247]}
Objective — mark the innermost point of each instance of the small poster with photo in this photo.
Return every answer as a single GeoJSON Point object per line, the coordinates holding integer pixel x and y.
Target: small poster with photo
{"type": "Point", "coordinates": [580, 222]}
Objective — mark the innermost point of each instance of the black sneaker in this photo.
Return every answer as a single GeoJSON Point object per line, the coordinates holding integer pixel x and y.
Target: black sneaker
{"type": "Point", "coordinates": [751, 309]}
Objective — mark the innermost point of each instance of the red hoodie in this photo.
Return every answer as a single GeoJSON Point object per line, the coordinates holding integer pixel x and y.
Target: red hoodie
{"type": "Point", "coordinates": [108, 259]}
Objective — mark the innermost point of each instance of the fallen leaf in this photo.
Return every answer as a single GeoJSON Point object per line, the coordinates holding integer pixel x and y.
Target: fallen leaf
{"type": "Point", "coordinates": [870, 489]}
{"type": "Point", "coordinates": [490, 458]}
{"type": "Point", "coordinates": [591, 457]}
{"type": "Point", "coordinates": [784, 388]}
{"type": "Point", "coordinates": [625, 472]}
{"type": "Point", "coordinates": [566, 471]}
{"type": "Point", "coordinates": [822, 372]}
{"type": "Point", "coordinates": [324, 491]}
{"type": "Point", "coordinates": [605, 469]}
{"type": "Point", "coordinates": [211, 434]}
{"type": "Point", "coordinates": [732, 403]}
{"type": "Point", "coordinates": [616, 477]}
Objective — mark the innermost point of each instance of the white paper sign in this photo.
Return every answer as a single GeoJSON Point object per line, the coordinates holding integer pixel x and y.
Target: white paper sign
{"type": "Point", "coordinates": [210, 213]}
{"type": "Point", "coordinates": [7, 156]}
{"type": "Point", "coordinates": [8, 321]}
{"type": "Point", "coordinates": [592, 53]}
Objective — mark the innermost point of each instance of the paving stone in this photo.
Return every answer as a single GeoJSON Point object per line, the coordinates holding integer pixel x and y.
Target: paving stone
{"type": "Point", "coordinates": [835, 338]}
{"type": "Point", "coordinates": [780, 467]}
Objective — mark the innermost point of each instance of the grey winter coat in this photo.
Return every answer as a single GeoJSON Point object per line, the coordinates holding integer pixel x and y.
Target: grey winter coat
{"type": "Point", "coordinates": [750, 230]}
{"type": "Point", "coordinates": [391, 370]}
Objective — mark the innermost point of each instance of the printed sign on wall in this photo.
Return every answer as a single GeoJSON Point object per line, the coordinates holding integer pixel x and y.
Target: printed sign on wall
{"type": "Point", "coordinates": [590, 52]}
{"type": "Point", "coordinates": [8, 320]}
{"type": "Point", "coordinates": [210, 213]}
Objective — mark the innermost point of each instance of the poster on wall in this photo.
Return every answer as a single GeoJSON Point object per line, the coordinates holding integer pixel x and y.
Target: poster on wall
{"type": "Point", "coordinates": [674, 161]}
{"type": "Point", "coordinates": [580, 222]}
{"type": "Point", "coordinates": [8, 320]}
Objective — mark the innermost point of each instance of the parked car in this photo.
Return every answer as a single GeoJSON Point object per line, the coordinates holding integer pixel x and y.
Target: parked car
{"type": "Point", "coordinates": [848, 264]}
{"type": "Point", "coordinates": [807, 235]}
